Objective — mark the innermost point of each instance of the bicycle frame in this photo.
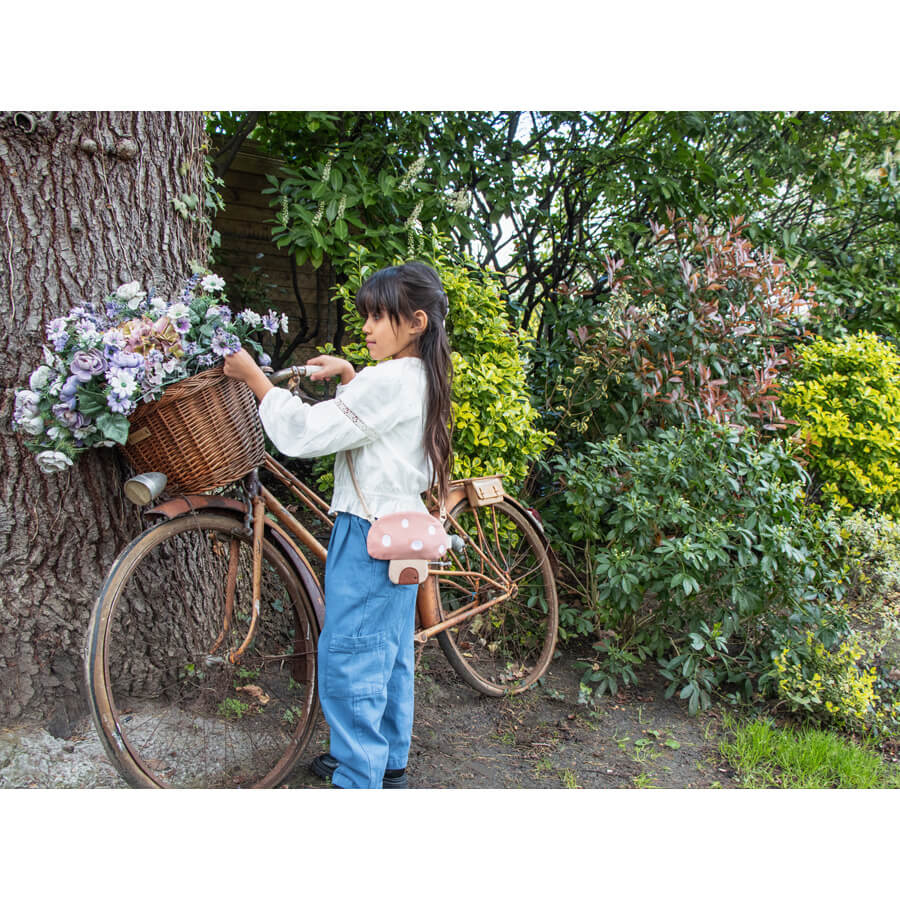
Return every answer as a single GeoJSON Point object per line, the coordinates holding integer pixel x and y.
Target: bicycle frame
{"type": "Point", "coordinates": [291, 535]}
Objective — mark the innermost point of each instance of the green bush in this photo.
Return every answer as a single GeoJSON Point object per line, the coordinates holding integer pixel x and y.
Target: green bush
{"type": "Point", "coordinates": [698, 544]}
{"type": "Point", "coordinates": [845, 396]}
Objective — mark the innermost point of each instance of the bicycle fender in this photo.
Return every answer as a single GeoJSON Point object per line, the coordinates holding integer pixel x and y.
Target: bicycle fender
{"type": "Point", "coordinates": [190, 503]}
{"type": "Point", "coordinates": [554, 560]}
{"type": "Point", "coordinates": [458, 492]}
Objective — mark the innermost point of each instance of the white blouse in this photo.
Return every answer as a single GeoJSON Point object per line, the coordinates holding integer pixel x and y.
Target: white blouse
{"type": "Point", "coordinates": [380, 415]}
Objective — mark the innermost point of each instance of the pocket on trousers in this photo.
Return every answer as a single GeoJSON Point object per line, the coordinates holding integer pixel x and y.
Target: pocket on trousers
{"type": "Point", "coordinates": [355, 666]}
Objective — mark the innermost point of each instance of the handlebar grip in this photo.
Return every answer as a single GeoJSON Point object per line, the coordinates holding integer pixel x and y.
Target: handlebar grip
{"type": "Point", "coordinates": [292, 372]}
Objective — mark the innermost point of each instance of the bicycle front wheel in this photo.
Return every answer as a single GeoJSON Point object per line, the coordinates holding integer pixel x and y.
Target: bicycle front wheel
{"type": "Point", "coordinates": [172, 707]}
{"type": "Point", "coordinates": [505, 647]}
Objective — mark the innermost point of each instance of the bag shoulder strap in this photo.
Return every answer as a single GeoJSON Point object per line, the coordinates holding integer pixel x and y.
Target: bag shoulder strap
{"type": "Point", "coordinates": [365, 506]}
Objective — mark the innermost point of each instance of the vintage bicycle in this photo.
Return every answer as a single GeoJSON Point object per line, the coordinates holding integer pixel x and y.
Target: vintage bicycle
{"type": "Point", "coordinates": [200, 656]}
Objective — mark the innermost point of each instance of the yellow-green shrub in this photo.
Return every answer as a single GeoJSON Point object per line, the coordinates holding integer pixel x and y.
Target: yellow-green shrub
{"type": "Point", "coordinates": [845, 396]}
{"type": "Point", "coordinates": [831, 685]}
{"type": "Point", "coordinates": [495, 426]}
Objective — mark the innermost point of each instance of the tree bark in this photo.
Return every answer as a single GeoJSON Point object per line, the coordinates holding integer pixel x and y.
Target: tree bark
{"type": "Point", "coordinates": [85, 205]}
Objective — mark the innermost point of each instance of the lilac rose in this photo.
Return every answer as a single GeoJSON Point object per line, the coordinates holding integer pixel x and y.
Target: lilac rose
{"type": "Point", "coordinates": [86, 364]}
{"type": "Point", "coordinates": [69, 417]}
{"type": "Point", "coordinates": [68, 391]}
{"type": "Point", "coordinates": [122, 359]}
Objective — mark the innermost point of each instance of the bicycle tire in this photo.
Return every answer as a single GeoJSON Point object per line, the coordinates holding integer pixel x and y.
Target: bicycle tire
{"type": "Point", "coordinates": [171, 708]}
{"type": "Point", "coordinates": [508, 647]}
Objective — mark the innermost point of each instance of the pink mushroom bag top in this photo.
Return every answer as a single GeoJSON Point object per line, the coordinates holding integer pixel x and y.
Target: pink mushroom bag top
{"type": "Point", "coordinates": [407, 535]}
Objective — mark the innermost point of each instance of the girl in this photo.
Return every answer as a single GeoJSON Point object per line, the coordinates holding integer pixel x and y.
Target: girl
{"type": "Point", "coordinates": [394, 418]}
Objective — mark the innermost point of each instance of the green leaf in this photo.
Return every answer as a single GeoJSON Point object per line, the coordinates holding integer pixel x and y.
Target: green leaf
{"type": "Point", "coordinates": [91, 404]}
{"type": "Point", "coordinates": [113, 426]}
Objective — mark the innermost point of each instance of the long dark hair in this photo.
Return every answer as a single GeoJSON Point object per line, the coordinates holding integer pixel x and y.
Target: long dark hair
{"type": "Point", "coordinates": [399, 291]}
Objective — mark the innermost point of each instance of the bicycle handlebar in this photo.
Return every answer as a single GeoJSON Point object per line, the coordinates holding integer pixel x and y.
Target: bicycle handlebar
{"type": "Point", "coordinates": [292, 372]}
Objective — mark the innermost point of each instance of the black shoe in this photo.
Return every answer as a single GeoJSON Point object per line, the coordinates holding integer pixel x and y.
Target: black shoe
{"type": "Point", "coordinates": [323, 766]}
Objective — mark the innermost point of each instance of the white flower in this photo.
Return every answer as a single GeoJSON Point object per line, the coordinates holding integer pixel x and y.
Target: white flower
{"type": "Point", "coordinates": [158, 305]}
{"type": "Point", "coordinates": [121, 382]}
{"type": "Point", "coordinates": [51, 461]}
{"type": "Point", "coordinates": [87, 333]}
{"type": "Point", "coordinates": [40, 377]}
{"type": "Point", "coordinates": [284, 322]}
{"type": "Point", "coordinates": [27, 403]}
{"type": "Point", "coordinates": [114, 337]}
{"type": "Point", "coordinates": [178, 311]}
{"type": "Point", "coordinates": [131, 293]}
{"type": "Point", "coordinates": [32, 425]}
{"type": "Point", "coordinates": [54, 432]}
{"type": "Point", "coordinates": [250, 317]}
{"type": "Point", "coordinates": [48, 356]}
{"type": "Point", "coordinates": [212, 283]}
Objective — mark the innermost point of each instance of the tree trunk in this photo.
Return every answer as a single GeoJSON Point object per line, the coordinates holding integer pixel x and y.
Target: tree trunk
{"type": "Point", "coordinates": [85, 205]}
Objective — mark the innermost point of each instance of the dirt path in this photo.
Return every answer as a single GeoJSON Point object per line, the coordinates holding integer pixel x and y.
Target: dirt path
{"type": "Point", "coordinates": [544, 739]}
{"type": "Point", "coordinates": [540, 739]}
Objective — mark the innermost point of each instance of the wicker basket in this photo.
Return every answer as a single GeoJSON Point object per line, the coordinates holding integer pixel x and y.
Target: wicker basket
{"type": "Point", "coordinates": [203, 433]}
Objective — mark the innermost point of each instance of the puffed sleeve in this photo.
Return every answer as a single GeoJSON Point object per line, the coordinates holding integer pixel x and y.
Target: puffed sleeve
{"type": "Point", "coordinates": [366, 408]}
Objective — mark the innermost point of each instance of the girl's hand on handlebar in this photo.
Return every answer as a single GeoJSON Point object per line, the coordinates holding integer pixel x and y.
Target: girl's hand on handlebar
{"type": "Point", "coordinates": [241, 366]}
{"type": "Point", "coordinates": [331, 366]}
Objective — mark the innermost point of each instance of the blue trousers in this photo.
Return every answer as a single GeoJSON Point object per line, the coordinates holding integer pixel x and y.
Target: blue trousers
{"type": "Point", "coordinates": [366, 659]}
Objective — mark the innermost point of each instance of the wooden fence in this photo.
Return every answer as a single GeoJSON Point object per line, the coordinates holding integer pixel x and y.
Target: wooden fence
{"type": "Point", "coordinates": [259, 274]}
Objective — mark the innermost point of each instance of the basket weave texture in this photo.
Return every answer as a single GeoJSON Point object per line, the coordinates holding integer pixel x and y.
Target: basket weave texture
{"type": "Point", "coordinates": [203, 433]}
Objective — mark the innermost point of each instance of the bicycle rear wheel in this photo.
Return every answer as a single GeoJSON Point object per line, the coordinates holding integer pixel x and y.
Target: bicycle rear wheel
{"type": "Point", "coordinates": [505, 648]}
{"type": "Point", "coordinates": [171, 708]}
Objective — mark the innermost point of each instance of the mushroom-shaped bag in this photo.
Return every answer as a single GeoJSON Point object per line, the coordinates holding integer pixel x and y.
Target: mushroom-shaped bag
{"type": "Point", "coordinates": [409, 540]}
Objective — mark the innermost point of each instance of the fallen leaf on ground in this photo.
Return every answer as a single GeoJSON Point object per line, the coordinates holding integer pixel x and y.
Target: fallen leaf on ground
{"type": "Point", "coordinates": [256, 692]}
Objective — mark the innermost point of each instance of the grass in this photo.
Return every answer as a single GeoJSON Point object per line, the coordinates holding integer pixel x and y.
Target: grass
{"type": "Point", "coordinates": [765, 756]}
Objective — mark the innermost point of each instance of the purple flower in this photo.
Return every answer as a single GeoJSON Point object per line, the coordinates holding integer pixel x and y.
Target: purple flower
{"type": "Point", "coordinates": [189, 286]}
{"type": "Point", "coordinates": [86, 364]}
{"type": "Point", "coordinates": [55, 328]}
{"type": "Point", "coordinates": [59, 341]}
{"type": "Point", "coordinates": [224, 344]}
{"type": "Point", "coordinates": [66, 403]}
{"type": "Point", "coordinates": [122, 359]}
{"type": "Point", "coordinates": [264, 359]}
{"type": "Point", "coordinates": [118, 404]}
{"type": "Point", "coordinates": [69, 389]}
{"type": "Point", "coordinates": [69, 417]}
{"type": "Point", "coordinates": [183, 325]}
{"type": "Point", "coordinates": [270, 323]}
